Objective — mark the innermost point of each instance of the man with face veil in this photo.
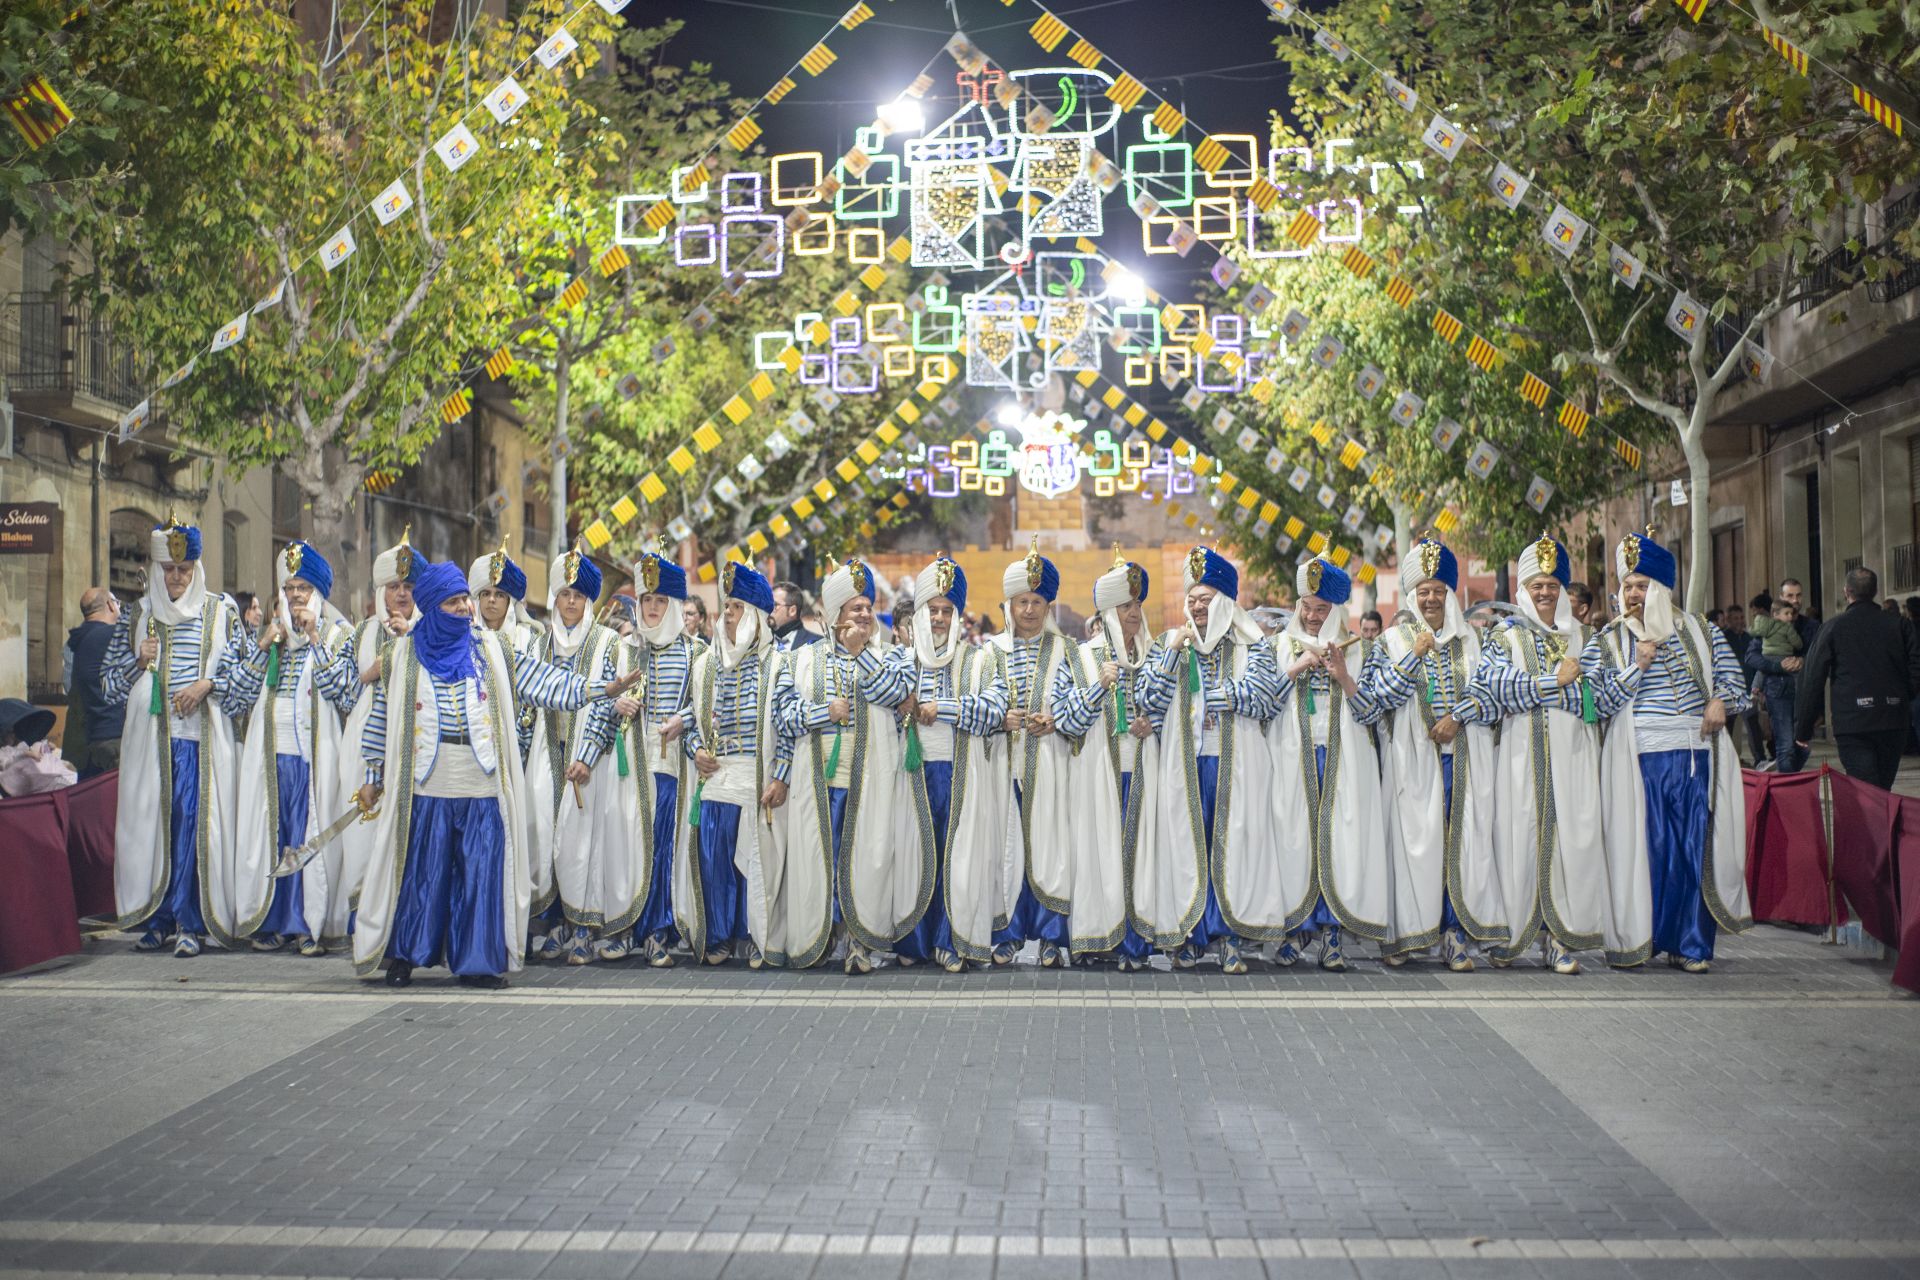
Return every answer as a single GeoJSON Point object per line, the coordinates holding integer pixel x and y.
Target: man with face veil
{"type": "Point", "coordinates": [450, 881]}
{"type": "Point", "coordinates": [1204, 874]}
{"type": "Point", "coordinates": [960, 703]}
{"type": "Point", "coordinates": [1547, 830]}
{"type": "Point", "coordinates": [1327, 809]}
{"type": "Point", "coordinates": [575, 825]}
{"type": "Point", "coordinates": [1031, 651]}
{"type": "Point", "coordinates": [724, 893]}
{"type": "Point", "coordinates": [1438, 769]}
{"type": "Point", "coordinates": [170, 661]}
{"type": "Point", "coordinates": [1675, 822]}
{"type": "Point", "coordinates": [296, 686]}
{"type": "Point", "coordinates": [393, 616]}
{"type": "Point", "coordinates": [1113, 748]}
{"type": "Point", "coordinates": [846, 871]}
{"type": "Point", "coordinates": [644, 887]}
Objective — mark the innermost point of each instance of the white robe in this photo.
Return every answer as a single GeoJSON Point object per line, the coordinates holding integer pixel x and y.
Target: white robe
{"type": "Point", "coordinates": [585, 848]}
{"type": "Point", "coordinates": [356, 842]}
{"type": "Point", "coordinates": [983, 866]}
{"type": "Point", "coordinates": [1723, 879]}
{"type": "Point", "coordinates": [881, 889]}
{"type": "Point", "coordinates": [1548, 833]}
{"type": "Point", "coordinates": [1431, 855]}
{"type": "Point", "coordinates": [143, 822]}
{"type": "Point", "coordinates": [1171, 864]}
{"type": "Point", "coordinates": [1039, 768]}
{"type": "Point", "coordinates": [413, 739]}
{"type": "Point", "coordinates": [1099, 836]}
{"type": "Point", "coordinates": [1332, 837]}
{"type": "Point", "coordinates": [324, 891]}
{"type": "Point", "coordinates": [760, 844]}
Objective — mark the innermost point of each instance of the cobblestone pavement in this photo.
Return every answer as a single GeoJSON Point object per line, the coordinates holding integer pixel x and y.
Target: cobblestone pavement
{"type": "Point", "coordinates": [264, 1115]}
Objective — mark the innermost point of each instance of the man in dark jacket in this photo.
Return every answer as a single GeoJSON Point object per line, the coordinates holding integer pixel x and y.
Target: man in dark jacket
{"type": "Point", "coordinates": [1873, 660]}
{"type": "Point", "coordinates": [1734, 623]}
{"type": "Point", "coordinates": [1780, 680]}
{"type": "Point", "coordinates": [100, 750]}
{"type": "Point", "coordinates": [788, 601]}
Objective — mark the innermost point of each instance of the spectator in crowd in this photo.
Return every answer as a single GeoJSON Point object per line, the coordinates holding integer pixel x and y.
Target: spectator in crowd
{"type": "Point", "coordinates": [1733, 624]}
{"type": "Point", "coordinates": [1775, 647]}
{"type": "Point", "coordinates": [696, 626]}
{"type": "Point", "coordinates": [94, 746]}
{"type": "Point", "coordinates": [788, 602]}
{"type": "Point", "coordinates": [903, 620]}
{"type": "Point", "coordinates": [1582, 597]}
{"type": "Point", "coordinates": [251, 614]}
{"type": "Point", "coordinates": [1370, 625]}
{"type": "Point", "coordinates": [1873, 663]}
{"type": "Point", "coordinates": [29, 764]}
{"type": "Point", "coordinates": [1715, 615]}
{"type": "Point", "coordinates": [1913, 620]}
{"type": "Point", "coordinates": [1892, 606]}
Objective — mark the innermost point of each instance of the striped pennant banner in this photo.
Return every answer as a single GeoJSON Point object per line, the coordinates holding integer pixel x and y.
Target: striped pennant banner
{"type": "Point", "coordinates": [498, 363]}
{"type": "Point", "coordinates": [574, 294]}
{"type": "Point", "coordinates": [39, 112]}
{"type": "Point", "coordinates": [1481, 352]}
{"type": "Point", "coordinates": [1629, 454]}
{"type": "Point", "coordinates": [1574, 419]}
{"type": "Point", "coordinates": [1356, 260]}
{"type": "Point", "coordinates": [1126, 92]}
{"type": "Point", "coordinates": [1084, 54]}
{"type": "Point", "coordinates": [818, 59]}
{"type": "Point", "coordinates": [780, 91]}
{"type": "Point", "coordinates": [1167, 119]}
{"type": "Point", "coordinates": [1693, 8]}
{"type": "Point", "coordinates": [857, 15]}
{"type": "Point", "coordinates": [1534, 391]}
{"type": "Point", "coordinates": [658, 216]}
{"type": "Point", "coordinates": [1400, 291]}
{"type": "Point", "coordinates": [614, 259]}
{"type": "Point", "coordinates": [455, 406]}
{"type": "Point", "coordinates": [1796, 58]}
{"type": "Point", "coordinates": [652, 487]}
{"type": "Point", "coordinates": [1210, 155]}
{"type": "Point", "coordinates": [1263, 195]}
{"type": "Point", "coordinates": [1351, 455]}
{"type": "Point", "coordinates": [1447, 326]}
{"type": "Point", "coordinates": [1880, 111]}
{"type": "Point", "coordinates": [1048, 32]}
{"type": "Point", "coordinates": [624, 510]}
{"type": "Point", "coordinates": [1305, 229]}
{"type": "Point", "coordinates": [741, 136]}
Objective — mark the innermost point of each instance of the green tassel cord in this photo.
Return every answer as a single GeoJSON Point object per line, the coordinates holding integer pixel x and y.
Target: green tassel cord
{"type": "Point", "coordinates": [1193, 672]}
{"type": "Point", "coordinates": [1120, 710]}
{"type": "Point", "coordinates": [833, 757]}
{"type": "Point", "coordinates": [693, 806]}
{"type": "Point", "coordinates": [913, 747]}
{"type": "Point", "coordinates": [620, 752]}
{"type": "Point", "coordinates": [157, 704]}
{"type": "Point", "coordinates": [273, 666]}
{"type": "Point", "coordinates": [1588, 712]}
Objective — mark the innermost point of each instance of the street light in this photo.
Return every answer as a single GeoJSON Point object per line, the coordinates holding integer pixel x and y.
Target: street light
{"type": "Point", "coordinates": [903, 115]}
{"type": "Point", "coordinates": [1010, 414]}
{"type": "Point", "coordinates": [1126, 288]}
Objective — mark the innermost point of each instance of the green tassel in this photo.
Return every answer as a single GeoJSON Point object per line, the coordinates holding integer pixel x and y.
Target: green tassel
{"type": "Point", "coordinates": [1311, 708]}
{"type": "Point", "coordinates": [693, 806]}
{"type": "Point", "coordinates": [273, 666]}
{"type": "Point", "coordinates": [1193, 672]}
{"type": "Point", "coordinates": [158, 703]}
{"type": "Point", "coordinates": [913, 747]}
{"type": "Point", "coordinates": [620, 752]}
{"type": "Point", "coordinates": [1119, 710]}
{"type": "Point", "coordinates": [833, 757]}
{"type": "Point", "coordinates": [1588, 711]}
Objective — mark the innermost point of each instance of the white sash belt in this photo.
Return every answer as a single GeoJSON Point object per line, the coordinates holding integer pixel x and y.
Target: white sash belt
{"type": "Point", "coordinates": [1655, 732]}
{"type": "Point", "coordinates": [456, 775]}
{"type": "Point", "coordinates": [733, 784]}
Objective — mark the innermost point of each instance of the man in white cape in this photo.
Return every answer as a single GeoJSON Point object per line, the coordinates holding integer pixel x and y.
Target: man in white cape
{"type": "Point", "coordinates": [846, 871]}
{"type": "Point", "coordinates": [1114, 759]}
{"type": "Point", "coordinates": [1548, 830]}
{"type": "Point", "coordinates": [645, 866]}
{"type": "Point", "coordinates": [294, 689]}
{"type": "Point", "coordinates": [1676, 822]}
{"type": "Point", "coordinates": [450, 881]}
{"type": "Point", "coordinates": [1327, 809]}
{"type": "Point", "coordinates": [576, 825]}
{"type": "Point", "coordinates": [743, 763]}
{"type": "Point", "coordinates": [393, 617]}
{"type": "Point", "coordinates": [1206, 872]}
{"type": "Point", "coordinates": [1031, 651]}
{"type": "Point", "coordinates": [1437, 769]}
{"type": "Point", "coordinates": [960, 704]}
{"type": "Point", "coordinates": [169, 661]}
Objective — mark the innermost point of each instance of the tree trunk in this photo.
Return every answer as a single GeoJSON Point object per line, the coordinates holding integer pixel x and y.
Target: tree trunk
{"type": "Point", "coordinates": [557, 477]}
{"type": "Point", "coordinates": [1402, 530]}
{"type": "Point", "coordinates": [1503, 583]}
{"type": "Point", "coordinates": [333, 529]}
{"type": "Point", "coordinates": [1693, 442]}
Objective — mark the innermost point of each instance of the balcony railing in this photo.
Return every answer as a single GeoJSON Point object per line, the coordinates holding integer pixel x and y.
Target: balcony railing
{"type": "Point", "coordinates": [60, 348]}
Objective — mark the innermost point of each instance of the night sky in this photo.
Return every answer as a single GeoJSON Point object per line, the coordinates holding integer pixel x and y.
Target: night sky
{"type": "Point", "coordinates": [1212, 58]}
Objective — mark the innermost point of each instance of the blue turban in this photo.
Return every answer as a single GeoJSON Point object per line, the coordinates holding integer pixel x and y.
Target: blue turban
{"type": "Point", "coordinates": [1429, 560]}
{"type": "Point", "coordinates": [1033, 572]}
{"type": "Point", "coordinates": [743, 583]}
{"type": "Point", "coordinates": [1324, 580]}
{"type": "Point", "coordinates": [444, 641]}
{"type": "Point", "coordinates": [944, 579]}
{"type": "Point", "coordinates": [303, 562]}
{"type": "Point", "coordinates": [573, 571]}
{"type": "Point", "coordinates": [175, 543]}
{"type": "Point", "coordinates": [658, 576]}
{"type": "Point", "coordinates": [1545, 558]}
{"type": "Point", "coordinates": [1638, 553]}
{"type": "Point", "coordinates": [1206, 567]}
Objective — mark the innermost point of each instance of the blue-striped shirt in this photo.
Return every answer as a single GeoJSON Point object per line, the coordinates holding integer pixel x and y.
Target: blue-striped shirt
{"type": "Point", "coordinates": [334, 675]}
{"type": "Point", "coordinates": [1257, 694]}
{"type": "Point", "coordinates": [1667, 687]}
{"type": "Point", "coordinates": [1361, 704]}
{"type": "Point", "coordinates": [541, 684]}
{"type": "Point", "coordinates": [866, 679]}
{"type": "Point", "coordinates": [736, 716]}
{"type": "Point", "coordinates": [1077, 708]}
{"type": "Point", "coordinates": [980, 713]}
{"type": "Point", "coordinates": [600, 714]}
{"type": "Point", "coordinates": [1507, 687]}
{"type": "Point", "coordinates": [180, 645]}
{"type": "Point", "coordinates": [1391, 685]}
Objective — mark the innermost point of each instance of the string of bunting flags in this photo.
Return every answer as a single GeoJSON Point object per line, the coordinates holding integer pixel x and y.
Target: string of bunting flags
{"type": "Point", "coordinates": [1876, 109]}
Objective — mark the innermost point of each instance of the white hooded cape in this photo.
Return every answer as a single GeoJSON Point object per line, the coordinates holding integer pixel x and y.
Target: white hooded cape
{"type": "Point", "coordinates": [1101, 836]}
{"type": "Point", "coordinates": [1042, 821]}
{"type": "Point", "coordinates": [760, 845]}
{"type": "Point", "coordinates": [583, 851]}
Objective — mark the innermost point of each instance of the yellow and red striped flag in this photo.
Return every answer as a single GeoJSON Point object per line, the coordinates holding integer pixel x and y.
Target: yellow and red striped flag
{"type": "Point", "coordinates": [1629, 453]}
{"type": "Point", "coordinates": [1356, 260]}
{"type": "Point", "coordinates": [1693, 8]}
{"type": "Point", "coordinates": [1534, 391]}
{"type": "Point", "coordinates": [1796, 58]}
{"type": "Point", "coordinates": [1880, 111]}
{"type": "Point", "coordinates": [455, 406]}
{"type": "Point", "coordinates": [818, 59]}
{"type": "Point", "coordinates": [1574, 419]}
{"type": "Point", "coordinates": [499, 362]}
{"type": "Point", "coordinates": [39, 112]}
{"type": "Point", "coordinates": [1126, 92]}
{"type": "Point", "coordinates": [1481, 352]}
{"type": "Point", "coordinates": [741, 136]}
{"type": "Point", "coordinates": [857, 15]}
{"type": "Point", "coordinates": [1167, 119]}
{"type": "Point", "coordinates": [780, 90]}
{"type": "Point", "coordinates": [1304, 229]}
{"type": "Point", "coordinates": [1447, 325]}
{"type": "Point", "coordinates": [574, 294]}
{"type": "Point", "coordinates": [1048, 32]}
{"type": "Point", "coordinates": [613, 260]}
{"type": "Point", "coordinates": [1084, 54]}
{"type": "Point", "coordinates": [1400, 291]}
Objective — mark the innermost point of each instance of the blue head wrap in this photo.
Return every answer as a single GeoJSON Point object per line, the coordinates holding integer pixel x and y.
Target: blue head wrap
{"type": "Point", "coordinates": [577, 572]}
{"type": "Point", "coordinates": [1206, 567]}
{"type": "Point", "coordinates": [659, 576]}
{"type": "Point", "coordinates": [1430, 560]}
{"type": "Point", "coordinates": [743, 583]}
{"type": "Point", "coordinates": [1548, 557]}
{"type": "Point", "coordinates": [1033, 573]}
{"type": "Point", "coordinates": [1323, 579]}
{"type": "Point", "coordinates": [444, 641]}
{"type": "Point", "coordinates": [303, 562]}
{"type": "Point", "coordinates": [1639, 553]}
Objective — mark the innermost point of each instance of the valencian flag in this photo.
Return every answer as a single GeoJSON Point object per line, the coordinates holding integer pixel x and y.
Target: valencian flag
{"type": "Point", "coordinates": [38, 112]}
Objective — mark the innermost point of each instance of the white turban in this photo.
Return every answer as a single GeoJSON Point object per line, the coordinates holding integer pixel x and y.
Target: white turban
{"type": "Point", "coordinates": [480, 578]}
{"type": "Point", "coordinates": [849, 580]}
{"type": "Point", "coordinates": [387, 565]}
{"type": "Point", "coordinates": [933, 584]}
{"type": "Point", "coordinates": [1532, 565]}
{"type": "Point", "coordinates": [1111, 590]}
{"type": "Point", "coordinates": [159, 605]}
{"type": "Point", "coordinates": [1413, 572]}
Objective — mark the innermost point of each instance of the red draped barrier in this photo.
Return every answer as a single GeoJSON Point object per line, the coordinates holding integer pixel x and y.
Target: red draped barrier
{"type": "Point", "coordinates": [1864, 822]}
{"type": "Point", "coordinates": [1906, 971]}
{"type": "Point", "coordinates": [1787, 850]}
{"type": "Point", "coordinates": [91, 809]}
{"type": "Point", "coordinates": [38, 921]}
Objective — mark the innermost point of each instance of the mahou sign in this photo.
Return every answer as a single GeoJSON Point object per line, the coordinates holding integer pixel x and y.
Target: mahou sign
{"type": "Point", "coordinates": [29, 528]}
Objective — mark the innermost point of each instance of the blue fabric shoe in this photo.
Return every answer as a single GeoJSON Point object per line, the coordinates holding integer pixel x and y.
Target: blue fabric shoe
{"type": "Point", "coordinates": [152, 940]}
{"type": "Point", "coordinates": [1231, 961]}
{"type": "Point", "coordinates": [1332, 958]}
{"type": "Point", "coordinates": [187, 947]}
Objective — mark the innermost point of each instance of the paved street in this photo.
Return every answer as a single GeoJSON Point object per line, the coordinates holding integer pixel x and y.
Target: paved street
{"type": "Point", "coordinates": [244, 1115]}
